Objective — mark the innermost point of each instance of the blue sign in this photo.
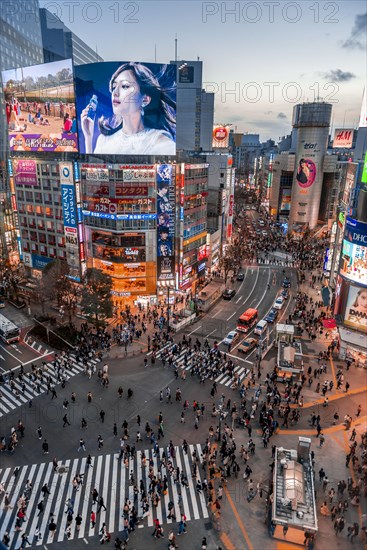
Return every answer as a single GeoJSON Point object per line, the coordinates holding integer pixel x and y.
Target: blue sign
{"type": "Point", "coordinates": [76, 171]}
{"type": "Point", "coordinates": [10, 167]}
{"type": "Point", "coordinates": [355, 232]}
{"type": "Point", "coordinates": [40, 262]}
{"type": "Point", "coordinates": [69, 208]}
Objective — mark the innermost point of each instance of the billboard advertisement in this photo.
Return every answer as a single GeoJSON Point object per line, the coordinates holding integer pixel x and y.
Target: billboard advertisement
{"type": "Point", "coordinates": [126, 108]}
{"type": "Point", "coordinates": [40, 107]}
{"type": "Point", "coordinates": [306, 173]}
{"type": "Point", "coordinates": [220, 136]}
{"type": "Point", "coordinates": [166, 223]}
{"type": "Point", "coordinates": [356, 309]}
{"type": "Point", "coordinates": [343, 138]}
{"type": "Point", "coordinates": [353, 263]}
{"type": "Point", "coordinates": [69, 206]}
{"type": "Point", "coordinates": [25, 172]}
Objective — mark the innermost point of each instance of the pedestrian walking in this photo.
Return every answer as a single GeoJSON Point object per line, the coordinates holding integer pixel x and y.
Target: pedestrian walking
{"type": "Point", "coordinates": [89, 397]}
{"type": "Point", "coordinates": [93, 519]}
{"type": "Point", "coordinates": [65, 420]}
{"type": "Point", "coordinates": [115, 430]}
{"type": "Point", "coordinates": [39, 432]}
{"type": "Point", "coordinates": [94, 494]}
{"type": "Point", "coordinates": [101, 505]}
{"type": "Point", "coordinates": [89, 461]}
{"type": "Point", "coordinates": [45, 447]}
{"type": "Point", "coordinates": [100, 442]}
{"type": "Point", "coordinates": [81, 444]}
{"type": "Point", "coordinates": [102, 415]}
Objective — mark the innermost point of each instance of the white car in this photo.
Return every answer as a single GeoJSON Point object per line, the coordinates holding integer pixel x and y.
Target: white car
{"type": "Point", "coordinates": [230, 338]}
{"type": "Point", "coordinates": [279, 303]}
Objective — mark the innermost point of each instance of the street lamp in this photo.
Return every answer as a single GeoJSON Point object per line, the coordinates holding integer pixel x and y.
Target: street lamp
{"type": "Point", "coordinates": [220, 422]}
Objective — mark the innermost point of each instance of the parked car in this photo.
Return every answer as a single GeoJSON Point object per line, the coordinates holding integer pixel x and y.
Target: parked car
{"type": "Point", "coordinates": [228, 294]}
{"type": "Point", "coordinates": [279, 303]}
{"type": "Point", "coordinates": [271, 316]}
{"type": "Point", "coordinates": [240, 276]}
{"type": "Point", "coordinates": [247, 345]}
{"type": "Point", "coordinates": [230, 338]}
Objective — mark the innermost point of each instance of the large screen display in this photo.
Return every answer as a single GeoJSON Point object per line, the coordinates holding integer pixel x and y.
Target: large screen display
{"type": "Point", "coordinates": [126, 108]}
{"type": "Point", "coordinates": [40, 107]}
{"type": "Point", "coordinates": [165, 223]}
{"type": "Point", "coordinates": [353, 264]}
{"type": "Point", "coordinates": [356, 309]}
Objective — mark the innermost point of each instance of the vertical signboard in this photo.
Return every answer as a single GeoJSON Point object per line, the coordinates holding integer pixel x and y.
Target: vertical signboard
{"type": "Point", "coordinates": [69, 210]}
{"type": "Point", "coordinates": [166, 223]}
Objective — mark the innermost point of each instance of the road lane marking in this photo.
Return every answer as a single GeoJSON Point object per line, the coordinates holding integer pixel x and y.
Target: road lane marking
{"type": "Point", "coordinates": [230, 317]}
{"type": "Point", "coordinates": [240, 358]}
{"type": "Point", "coordinates": [253, 288]}
{"type": "Point", "coordinates": [195, 329]}
{"type": "Point", "coordinates": [7, 351]}
{"type": "Point", "coordinates": [238, 519]}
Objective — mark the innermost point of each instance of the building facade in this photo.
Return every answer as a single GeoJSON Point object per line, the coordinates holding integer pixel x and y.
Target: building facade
{"type": "Point", "coordinates": [312, 122]}
{"type": "Point", "coordinates": [195, 108]}
{"type": "Point", "coordinates": [59, 42]}
{"type": "Point", "coordinates": [192, 251]}
{"type": "Point", "coordinates": [20, 45]}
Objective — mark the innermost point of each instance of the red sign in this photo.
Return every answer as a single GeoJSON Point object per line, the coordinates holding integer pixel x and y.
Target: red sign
{"type": "Point", "coordinates": [220, 133]}
{"type": "Point", "coordinates": [231, 201]}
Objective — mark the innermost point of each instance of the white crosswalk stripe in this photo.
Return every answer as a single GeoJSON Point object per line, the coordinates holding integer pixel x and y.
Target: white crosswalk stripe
{"type": "Point", "coordinates": [184, 361]}
{"type": "Point", "coordinates": [111, 478]}
{"type": "Point", "coordinates": [11, 399]}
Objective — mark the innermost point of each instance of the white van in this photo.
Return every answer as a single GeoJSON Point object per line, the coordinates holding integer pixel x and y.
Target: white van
{"type": "Point", "coordinates": [261, 327]}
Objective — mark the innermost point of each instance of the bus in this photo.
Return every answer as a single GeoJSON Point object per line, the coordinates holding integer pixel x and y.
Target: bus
{"type": "Point", "coordinates": [9, 332]}
{"type": "Point", "coordinates": [247, 320]}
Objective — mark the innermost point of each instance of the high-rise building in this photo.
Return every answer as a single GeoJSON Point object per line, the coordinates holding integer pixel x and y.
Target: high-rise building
{"type": "Point", "coordinates": [20, 45]}
{"type": "Point", "coordinates": [312, 121]}
{"type": "Point", "coordinates": [59, 42]}
{"type": "Point", "coordinates": [195, 108]}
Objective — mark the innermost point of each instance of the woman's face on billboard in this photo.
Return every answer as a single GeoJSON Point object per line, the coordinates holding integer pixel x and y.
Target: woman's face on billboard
{"type": "Point", "coordinates": [362, 299]}
{"type": "Point", "coordinates": [126, 96]}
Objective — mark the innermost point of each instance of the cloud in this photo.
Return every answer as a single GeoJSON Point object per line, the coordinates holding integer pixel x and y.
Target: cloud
{"type": "Point", "coordinates": [281, 115]}
{"type": "Point", "coordinates": [268, 113]}
{"type": "Point", "coordinates": [357, 38]}
{"type": "Point", "coordinates": [337, 75]}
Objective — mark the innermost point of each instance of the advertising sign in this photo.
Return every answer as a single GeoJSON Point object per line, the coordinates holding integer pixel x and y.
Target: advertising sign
{"type": "Point", "coordinates": [343, 138]}
{"type": "Point", "coordinates": [306, 173]}
{"type": "Point", "coordinates": [40, 107]}
{"type": "Point", "coordinates": [69, 207]}
{"type": "Point", "coordinates": [25, 172]}
{"type": "Point", "coordinates": [66, 173]}
{"type": "Point", "coordinates": [166, 222]}
{"type": "Point", "coordinates": [353, 263]}
{"type": "Point", "coordinates": [356, 309]}
{"type": "Point", "coordinates": [351, 171]}
{"type": "Point", "coordinates": [220, 136]}
{"type": "Point", "coordinates": [131, 175]}
{"type": "Point", "coordinates": [126, 108]}
{"type": "Point", "coordinates": [186, 74]}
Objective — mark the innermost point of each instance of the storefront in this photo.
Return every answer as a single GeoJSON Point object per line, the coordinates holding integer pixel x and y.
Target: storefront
{"type": "Point", "coordinates": [353, 346]}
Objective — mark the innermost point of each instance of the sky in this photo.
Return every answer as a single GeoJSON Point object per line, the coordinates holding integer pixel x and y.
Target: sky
{"type": "Point", "coordinates": [260, 57]}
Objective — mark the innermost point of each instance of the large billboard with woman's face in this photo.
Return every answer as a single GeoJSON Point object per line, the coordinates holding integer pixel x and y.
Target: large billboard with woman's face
{"type": "Point", "coordinates": [40, 107]}
{"type": "Point", "coordinates": [356, 309]}
{"type": "Point", "coordinates": [126, 108]}
{"type": "Point", "coordinates": [353, 263]}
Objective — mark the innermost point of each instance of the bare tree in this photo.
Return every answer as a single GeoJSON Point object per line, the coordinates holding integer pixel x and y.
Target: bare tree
{"type": "Point", "coordinates": [230, 261]}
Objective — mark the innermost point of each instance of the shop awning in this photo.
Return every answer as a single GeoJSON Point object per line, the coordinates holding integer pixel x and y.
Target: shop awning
{"type": "Point", "coordinates": [329, 323]}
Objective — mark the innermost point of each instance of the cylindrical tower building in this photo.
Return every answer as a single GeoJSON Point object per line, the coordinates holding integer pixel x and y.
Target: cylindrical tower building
{"type": "Point", "coordinates": [312, 123]}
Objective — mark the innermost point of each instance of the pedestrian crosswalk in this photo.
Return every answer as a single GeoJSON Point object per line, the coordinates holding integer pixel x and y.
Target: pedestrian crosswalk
{"type": "Point", "coordinates": [12, 398]}
{"type": "Point", "coordinates": [111, 477]}
{"type": "Point", "coordinates": [184, 362]}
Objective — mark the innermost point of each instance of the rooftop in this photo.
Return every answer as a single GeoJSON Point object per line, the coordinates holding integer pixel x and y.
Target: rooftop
{"type": "Point", "coordinates": [294, 500]}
